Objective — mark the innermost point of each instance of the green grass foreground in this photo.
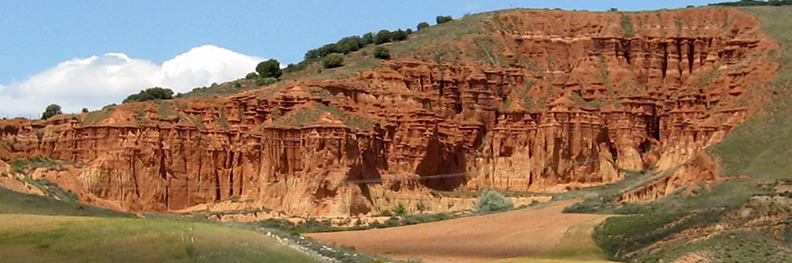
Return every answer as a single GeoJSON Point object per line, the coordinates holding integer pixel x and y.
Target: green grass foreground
{"type": "Point", "coordinates": [576, 246]}
{"type": "Point", "coordinates": [40, 229]}
{"type": "Point", "coordinates": [48, 238]}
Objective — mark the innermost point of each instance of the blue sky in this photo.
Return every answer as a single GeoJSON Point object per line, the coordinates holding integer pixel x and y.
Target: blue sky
{"type": "Point", "coordinates": [39, 37]}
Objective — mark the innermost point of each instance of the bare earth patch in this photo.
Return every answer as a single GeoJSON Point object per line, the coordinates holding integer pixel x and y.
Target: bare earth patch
{"type": "Point", "coordinates": [520, 233]}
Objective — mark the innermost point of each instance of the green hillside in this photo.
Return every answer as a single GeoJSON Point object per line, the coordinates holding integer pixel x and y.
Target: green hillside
{"type": "Point", "coordinates": [41, 229]}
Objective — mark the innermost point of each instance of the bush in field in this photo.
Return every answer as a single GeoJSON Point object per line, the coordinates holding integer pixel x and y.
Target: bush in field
{"type": "Point", "coordinates": [265, 81]}
{"type": "Point", "coordinates": [492, 201]}
{"type": "Point", "coordinates": [381, 52]}
{"type": "Point", "coordinates": [333, 60]}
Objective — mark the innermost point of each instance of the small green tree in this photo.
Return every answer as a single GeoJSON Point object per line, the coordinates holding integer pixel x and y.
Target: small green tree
{"type": "Point", "coordinates": [399, 35]}
{"type": "Point", "coordinates": [443, 19]}
{"type": "Point", "coordinates": [368, 38]}
{"type": "Point", "coordinates": [251, 75]}
{"type": "Point", "coordinates": [349, 44]}
{"type": "Point", "coordinates": [399, 209]}
{"type": "Point", "coordinates": [333, 60]}
{"type": "Point", "coordinates": [381, 52]}
{"type": "Point", "coordinates": [383, 36]}
{"type": "Point", "coordinates": [422, 25]}
{"type": "Point", "coordinates": [84, 110]}
{"type": "Point", "coordinates": [492, 201]}
{"type": "Point", "coordinates": [269, 69]}
{"type": "Point", "coordinates": [51, 110]}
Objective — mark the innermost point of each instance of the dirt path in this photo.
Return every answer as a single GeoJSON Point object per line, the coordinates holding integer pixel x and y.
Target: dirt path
{"type": "Point", "coordinates": [519, 233]}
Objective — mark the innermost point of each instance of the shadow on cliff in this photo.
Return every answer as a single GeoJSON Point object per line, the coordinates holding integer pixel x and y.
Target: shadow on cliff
{"type": "Point", "coordinates": [442, 169]}
{"type": "Point", "coordinates": [366, 169]}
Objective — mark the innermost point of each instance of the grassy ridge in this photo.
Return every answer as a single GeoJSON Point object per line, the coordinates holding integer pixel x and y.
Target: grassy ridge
{"type": "Point", "coordinates": [762, 146]}
{"type": "Point", "coordinates": [17, 203]}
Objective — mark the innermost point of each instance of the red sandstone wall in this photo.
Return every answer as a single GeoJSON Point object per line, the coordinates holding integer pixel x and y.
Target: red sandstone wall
{"type": "Point", "coordinates": [591, 101]}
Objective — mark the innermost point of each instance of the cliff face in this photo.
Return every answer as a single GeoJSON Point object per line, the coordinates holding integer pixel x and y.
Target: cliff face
{"type": "Point", "coordinates": [570, 98]}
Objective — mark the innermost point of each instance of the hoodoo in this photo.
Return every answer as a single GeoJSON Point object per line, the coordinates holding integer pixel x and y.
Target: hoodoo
{"type": "Point", "coordinates": [539, 101]}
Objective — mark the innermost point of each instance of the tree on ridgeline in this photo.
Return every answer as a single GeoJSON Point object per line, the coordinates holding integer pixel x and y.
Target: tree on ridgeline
{"type": "Point", "coordinates": [443, 19]}
{"type": "Point", "coordinates": [155, 93]}
{"type": "Point", "coordinates": [269, 69]}
{"type": "Point", "coordinates": [383, 36]}
{"type": "Point", "coordinates": [422, 25]}
{"type": "Point", "coordinates": [51, 110]}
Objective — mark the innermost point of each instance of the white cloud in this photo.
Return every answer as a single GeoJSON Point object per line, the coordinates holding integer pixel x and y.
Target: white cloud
{"type": "Point", "coordinates": [100, 80]}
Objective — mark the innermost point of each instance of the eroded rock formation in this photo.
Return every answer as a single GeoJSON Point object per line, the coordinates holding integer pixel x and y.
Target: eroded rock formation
{"type": "Point", "coordinates": [574, 98]}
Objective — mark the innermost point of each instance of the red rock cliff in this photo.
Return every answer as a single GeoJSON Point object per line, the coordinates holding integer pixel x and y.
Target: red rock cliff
{"type": "Point", "coordinates": [573, 98]}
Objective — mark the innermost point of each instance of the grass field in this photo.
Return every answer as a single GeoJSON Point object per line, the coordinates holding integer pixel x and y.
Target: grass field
{"type": "Point", "coordinates": [47, 238]}
{"type": "Point", "coordinates": [40, 229]}
{"type": "Point", "coordinates": [576, 246]}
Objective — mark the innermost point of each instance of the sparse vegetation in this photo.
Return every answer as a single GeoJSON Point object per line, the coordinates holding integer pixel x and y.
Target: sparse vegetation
{"type": "Point", "coordinates": [26, 165]}
{"type": "Point", "coordinates": [311, 114]}
{"type": "Point", "coordinates": [95, 117]}
{"type": "Point", "coordinates": [381, 52]}
{"type": "Point", "coordinates": [333, 60]}
{"type": "Point", "coordinates": [627, 26]}
{"type": "Point", "coordinates": [755, 3]}
{"type": "Point", "coordinates": [313, 226]}
{"type": "Point", "coordinates": [399, 210]}
{"type": "Point", "coordinates": [228, 87]}
{"type": "Point", "coordinates": [265, 81]}
{"type": "Point", "coordinates": [492, 201]}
